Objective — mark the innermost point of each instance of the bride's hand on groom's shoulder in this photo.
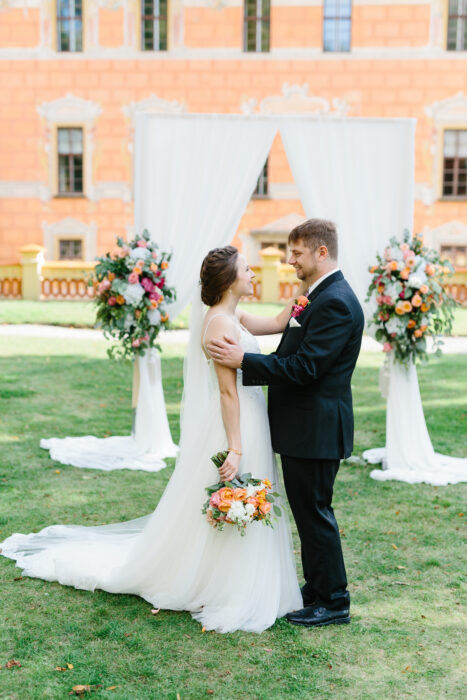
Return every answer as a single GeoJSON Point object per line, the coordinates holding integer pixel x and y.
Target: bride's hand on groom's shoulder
{"type": "Point", "coordinates": [229, 469]}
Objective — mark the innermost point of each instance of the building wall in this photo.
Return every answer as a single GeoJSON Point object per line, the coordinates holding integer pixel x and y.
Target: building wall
{"type": "Point", "coordinates": [397, 67]}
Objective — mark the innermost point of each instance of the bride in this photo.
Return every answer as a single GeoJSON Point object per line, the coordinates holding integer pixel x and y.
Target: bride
{"type": "Point", "coordinates": [173, 558]}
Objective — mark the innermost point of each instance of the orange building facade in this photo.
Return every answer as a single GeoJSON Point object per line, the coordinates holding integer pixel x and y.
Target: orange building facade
{"type": "Point", "coordinates": [74, 74]}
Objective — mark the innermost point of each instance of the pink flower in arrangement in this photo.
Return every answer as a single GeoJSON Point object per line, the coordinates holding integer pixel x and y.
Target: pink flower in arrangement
{"type": "Point", "coordinates": [133, 278]}
{"type": "Point", "coordinates": [154, 254]}
{"type": "Point", "coordinates": [387, 347]}
{"type": "Point", "coordinates": [105, 284]}
{"type": "Point", "coordinates": [136, 343]}
{"type": "Point", "coordinates": [147, 284]}
{"type": "Point", "coordinates": [124, 251]}
{"type": "Point", "coordinates": [145, 338]}
{"type": "Point", "coordinates": [140, 264]}
{"type": "Point", "coordinates": [142, 244]}
{"type": "Point", "coordinates": [160, 283]}
{"type": "Point", "coordinates": [383, 316]}
{"type": "Point", "coordinates": [402, 294]}
{"type": "Point", "coordinates": [296, 310]}
{"type": "Point", "coordinates": [388, 300]}
{"type": "Point", "coordinates": [215, 500]}
{"type": "Point", "coordinates": [112, 301]}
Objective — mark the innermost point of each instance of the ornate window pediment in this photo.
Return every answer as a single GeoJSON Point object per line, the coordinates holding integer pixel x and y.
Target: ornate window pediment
{"type": "Point", "coordinates": [296, 100]}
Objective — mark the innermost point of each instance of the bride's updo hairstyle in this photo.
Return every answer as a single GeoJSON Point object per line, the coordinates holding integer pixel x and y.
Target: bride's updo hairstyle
{"type": "Point", "coordinates": [218, 273]}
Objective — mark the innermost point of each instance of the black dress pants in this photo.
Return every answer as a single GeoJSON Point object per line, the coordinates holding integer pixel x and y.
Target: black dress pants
{"type": "Point", "coordinates": [309, 486]}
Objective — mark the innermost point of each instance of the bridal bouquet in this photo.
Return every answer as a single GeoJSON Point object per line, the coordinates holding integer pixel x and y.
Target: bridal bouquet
{"type": "Point", "coordinates": [132, 294]}
{"type": "Point", "coordinates": [411, 304]}
{"type": "Point", "coordinates": [240, 501]}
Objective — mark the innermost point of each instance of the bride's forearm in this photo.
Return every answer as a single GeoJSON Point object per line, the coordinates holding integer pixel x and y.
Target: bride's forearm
{"type": "Point", "coordinates": [230, 407]}
{"type": "Point", "coordinates": [264, 325]}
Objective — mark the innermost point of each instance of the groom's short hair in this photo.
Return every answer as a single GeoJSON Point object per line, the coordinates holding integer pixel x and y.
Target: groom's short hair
{"type": "Point", "coordinates": [316, 232]}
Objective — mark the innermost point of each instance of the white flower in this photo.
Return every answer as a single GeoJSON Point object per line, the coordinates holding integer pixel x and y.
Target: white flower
{"type": "Point", "coordinates": [250, 491]}
{"type": "Point", "coordinates": [236, 511]}
{"type": "Point", "coordinates": [249, 509]}
{"type": "Point", "coordinates": [395, 324]}
{"type": "Point", "coordinates": [139, 253]}
{"type": "Point", "coordinates": [415, 280]}
{"type": "Point", "coordinates": [396, 254]}
{"type": "Point", "coordinates": [129, 322]}
{"type": "Point", "coordinates": [393, 289]}
{"type": "Point", "coordinates": [154, 317]}
{"type": "Point", "coordinates": [133, 293]}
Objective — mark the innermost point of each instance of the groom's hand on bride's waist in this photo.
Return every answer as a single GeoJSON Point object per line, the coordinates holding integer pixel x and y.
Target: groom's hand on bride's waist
{"type": "Point", "coordinates": [226, 352]}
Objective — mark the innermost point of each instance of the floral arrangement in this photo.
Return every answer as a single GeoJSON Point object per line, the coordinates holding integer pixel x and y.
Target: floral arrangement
{"type": "Point", "coordinates": [240, 501]}
{"type": "Point", "coordinates": [132, 294]}
{"type": "Point", "coordinates": [411, 304]}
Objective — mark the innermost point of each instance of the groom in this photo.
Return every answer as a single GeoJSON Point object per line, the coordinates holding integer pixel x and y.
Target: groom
{"type": "Point", "coordinates": [310, 411]}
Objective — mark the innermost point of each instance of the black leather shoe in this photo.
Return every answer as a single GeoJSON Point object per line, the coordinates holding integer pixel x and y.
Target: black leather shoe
{"type": "Point", "coordinates": [318, 616]}
{"type": "Point", "coordinates": [307, 600]}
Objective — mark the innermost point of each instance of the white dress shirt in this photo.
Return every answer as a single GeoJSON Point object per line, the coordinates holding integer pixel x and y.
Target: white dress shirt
{"type": "Point", "coordinates": [321, 279]}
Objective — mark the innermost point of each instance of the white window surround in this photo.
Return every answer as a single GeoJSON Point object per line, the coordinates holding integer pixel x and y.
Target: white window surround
{"type": "Point", "coordinates": [70, 228]}
{"type": "Point", "coordinates": [65, 111]}
{"type": "Point", "coordinates": [295, 100]}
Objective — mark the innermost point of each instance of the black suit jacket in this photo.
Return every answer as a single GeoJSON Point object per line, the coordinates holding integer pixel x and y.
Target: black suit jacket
{"type": "Point", "coordinates": [310, 398]}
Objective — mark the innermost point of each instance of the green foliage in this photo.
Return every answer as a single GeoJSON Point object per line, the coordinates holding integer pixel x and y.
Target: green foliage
{"type": "Point", "coordinates": [406, 637]}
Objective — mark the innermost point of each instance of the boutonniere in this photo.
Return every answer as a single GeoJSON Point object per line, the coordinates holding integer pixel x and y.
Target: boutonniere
{"type": "Point", "coordinates": [298, 307]}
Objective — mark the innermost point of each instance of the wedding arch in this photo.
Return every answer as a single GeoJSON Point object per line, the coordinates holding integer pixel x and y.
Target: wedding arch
{"type": "Point", "coordinates": [194, 175]}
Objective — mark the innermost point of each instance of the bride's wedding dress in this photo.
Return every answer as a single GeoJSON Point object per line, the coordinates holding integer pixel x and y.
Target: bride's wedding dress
{"type": "Point", "coordinates": [173, 558]}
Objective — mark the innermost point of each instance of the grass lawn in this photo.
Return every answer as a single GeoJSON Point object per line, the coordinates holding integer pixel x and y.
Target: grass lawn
{"type": "Point", "coordinates": [402, 545]}
{"type": "Point", "coordinates": [82, 313]}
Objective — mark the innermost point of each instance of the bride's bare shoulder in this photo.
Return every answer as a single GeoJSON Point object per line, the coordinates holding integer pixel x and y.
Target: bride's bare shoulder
{"type": "Point", "coordinates": [218, 322]}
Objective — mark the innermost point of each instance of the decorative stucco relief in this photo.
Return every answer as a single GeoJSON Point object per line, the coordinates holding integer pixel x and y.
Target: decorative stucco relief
{"type": "Point", "coordinates": [296, 100]}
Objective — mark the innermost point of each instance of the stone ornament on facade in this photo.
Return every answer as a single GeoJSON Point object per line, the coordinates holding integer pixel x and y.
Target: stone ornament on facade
{"type": "Point", "coordinates": [452, 233]}
{"type": "Point", "coordinates": [295, 100]}
{"type": "Point", "coordinates": [69, 228]}
{"type": "Point", "coordinates": [65, 111]}
{"type": "Point", "coordinates": [443, 114]}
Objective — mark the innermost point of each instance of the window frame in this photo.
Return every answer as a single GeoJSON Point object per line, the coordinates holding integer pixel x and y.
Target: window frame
{"type": "Point", "coordinates": [446, 27]}
{"type": "Point", "coordinates": [141, 28]}
{"type": "Point", "coordinates": [336, 19]}
{"type": "Point", "coordinates": [83, 33]}
{"type": "Point", "coordinates": [258, 20]}
{"type": "Point", "coordinates": [441, 196]}
{"type": "Point", "coordinates": [263, 177]}
{"type": "Point", "coordinates": [70, 195]}
{"type": "Point", "coordinates": [66, 238]}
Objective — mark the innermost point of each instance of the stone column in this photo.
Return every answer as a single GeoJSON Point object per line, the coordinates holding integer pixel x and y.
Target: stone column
{"type": "Point", "coordinates": [270, 263]}
{"type": "Point", "coordinates": [32, 258]}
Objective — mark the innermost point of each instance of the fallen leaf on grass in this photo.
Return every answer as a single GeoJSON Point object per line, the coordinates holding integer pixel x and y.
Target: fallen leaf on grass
{"type": "Point", "coordinates": [397, 512]}
{"type": "Point", "coordinates": [209, 692]}
{"type": "Point", "coordinates": [394, 546]}
{"type": "Point", "coordinates": [154, 611]}
{"type": "Point", "coordinates": [329, 666]}
{"type": "Point", "coordinates": [267, 649]}
{"type": "Point", "coordinates": [400, 567]}
{"type": "Point", "coordinates": [204, 629]}
{"type": "Point", "coordinates": [12, 663]}
{"type": "Point", "coordinates": [424, 616]}
{"type": "Point", "coordinates": [57, 471]}
{"type": "Point", "coordinates": [18, 578]}
{"type": "Point", "coordinates": [80, 689]}
{"type": "Point", "coordinates": [70, 666]}
{"type": "Point", "coordinates": [61, 668]}
{"type": "Point", "coordinates": [461, 515]}
{"type": "Point", "coordinates": [111, 687]}
{"type": "Point", "coordinates": [390, 532]}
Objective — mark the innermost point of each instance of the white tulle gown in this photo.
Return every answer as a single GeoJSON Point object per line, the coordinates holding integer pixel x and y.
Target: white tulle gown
{"type": "Point", "coordinates": [173, 558]}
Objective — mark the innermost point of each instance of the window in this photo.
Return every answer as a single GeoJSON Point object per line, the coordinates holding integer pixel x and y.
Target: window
{"type": "Point", "coordinates": [70, 249]}
{"type": "Point", "coordinates": [261, 189]}
{"type": "Point", "coordinates": [70, 161]}
{"type": "Point", "coordinates": [455, 164]}
{"type": "Point", "coordinates": [69, 25]}
{"type": "Point", "coordinates": [457, 25]}
{"type": "Point", "coordinates": [154, 25]}
{"type": "Point", "coordinates": [257, 21]}
{"type": "Point", "coordinates": [337, 25]}
{"type": "Point", "coordinates": [282, 247]}
{"type": "Point", "coordinates": [456, 254]}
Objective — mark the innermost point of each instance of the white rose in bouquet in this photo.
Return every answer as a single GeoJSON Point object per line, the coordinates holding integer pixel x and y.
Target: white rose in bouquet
{"type": "Point", "coordinates": [133, 293]}
{"type": "Point", "coordinates": [416, 279]}
{"type": "Point", "coordinates": [139, 253]}
{"type": "Point", "coordinates": [395, 325]}
{"type": "Point", "coordinates": [154, 317]}
{"type": "Point", "coordinates": [236, 511]}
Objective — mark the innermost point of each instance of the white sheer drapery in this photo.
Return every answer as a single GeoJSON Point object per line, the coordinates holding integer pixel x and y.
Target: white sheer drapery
{"type": "Point", "coordinates": [359, 174]}
{"type": "Point", "coordinates": [194, 176]}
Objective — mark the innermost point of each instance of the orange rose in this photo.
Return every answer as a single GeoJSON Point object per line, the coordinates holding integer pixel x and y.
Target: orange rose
{"type": "Point", "coordinates": [265, 507]}
{"type": "Point", "coordinates": [161, 298]}
{"type": "Point", "coordinates": [425, 307]}
{"type": "Point", "coordinates": [404, 247]}
{"type": "Point", "coordinates": [239, 494]}
{"type": "Point", "coordinates": [111, 276]}
{"type": "Point", "coordinates": [164, 318]}
{"type": "Point", "coordinates": [373, 268]}
{"type": "Point", "coordinates": [154, 304]}
{"type": "Point", "coordinates": [120, 299]}
{"type": "Point", "coordinates": [423, 328]}
{"type": "Point", "coordinates": [416, 300]}
{"type": "Point", "coordinates": [225, 496]}
{"type": "Point", "coordinates": [253, 501]}
{"type": "Point", "coordinates": [267, 483]}
{"type": "Point", "coordinates": [137, 270]}
{"type": "Point", "coordinates": [380, 288]}
{"type": "Point", "coordinates": [407, 306]}
{"type": "Point", "coordinates": [405, 273]}
{"type": "Point", "coordinates": [140, 264]}
{"type": "Point", "coordinates": [302, 301]}
{"type": "Point", "coordinates": [392, 266]}
{"type": "Point", "coordinates": [429, 269]}
{"type": "Point", "coordinates": [411, 323]}
{"type": "Point", "coordinates": [400, 308]}
{"type": "Point", "coordinates": [153, 267]}
{"type": "Point", "coordinates": [418, 332]}
{"type": "Point", "coordinates": [424, 289]}
{"type": "Point", "coordinates": [164, 265]}
{"type": "Point", "coordinates": [137, 313]}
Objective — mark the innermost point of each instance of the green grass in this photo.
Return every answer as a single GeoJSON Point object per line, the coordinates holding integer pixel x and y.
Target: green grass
{"type": "Point", "coordinates": [82, 313]}
{"type": "Point", "coordinates": [407, 631]}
